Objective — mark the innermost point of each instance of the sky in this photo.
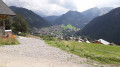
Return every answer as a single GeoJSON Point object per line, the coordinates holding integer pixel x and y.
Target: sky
{"type": "Point", "coordinates": [59, 7]}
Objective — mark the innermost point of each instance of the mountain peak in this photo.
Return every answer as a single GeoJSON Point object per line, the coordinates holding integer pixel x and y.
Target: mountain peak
{"type": "Point", "coordinates": [70, 12]}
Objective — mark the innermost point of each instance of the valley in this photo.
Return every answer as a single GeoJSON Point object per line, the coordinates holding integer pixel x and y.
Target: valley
{"type": "Point", "coordinates": [59, 33]}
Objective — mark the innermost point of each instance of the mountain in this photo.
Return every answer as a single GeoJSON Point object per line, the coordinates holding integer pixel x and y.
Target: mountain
{"type": "Point", "coordinates": [91, 13]}
{"type": "Point", "coordinates": [94, 12]}
{"type": "Point", "coordinates": [32, 18]}
{"type": "Point", "coordinates": [106, 27]}
{"type": "Point", "coordinates": [80, 19]}
{"type": "Point", "coordinates": [51, 18]}
{"type": "Point", "coordinates": [71, 17]}
{"type": "Point", "coordinates": [105, 10]}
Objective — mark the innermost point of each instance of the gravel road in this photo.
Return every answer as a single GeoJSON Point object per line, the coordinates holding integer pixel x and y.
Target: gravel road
{"type": "Point", "coordinates": [36, 53]}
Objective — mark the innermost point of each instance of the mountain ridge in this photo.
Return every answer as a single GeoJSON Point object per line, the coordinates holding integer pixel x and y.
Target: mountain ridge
{"type": "Point", "coordinates": [32, 18]}
{"type": "Point", "coordinates": [80, 19]}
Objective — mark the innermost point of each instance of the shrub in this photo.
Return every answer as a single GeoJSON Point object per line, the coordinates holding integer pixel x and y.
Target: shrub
{"type": "Point", "coordinates": [49, 38]}
{"type": "Point", "coordinates": [22, 34]}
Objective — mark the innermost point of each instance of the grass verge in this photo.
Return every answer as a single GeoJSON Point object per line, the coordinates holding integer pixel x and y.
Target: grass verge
{"type": "Point", "coordinates": [98, 52]}
{"type": "Point", "coordinates": [8, 41]}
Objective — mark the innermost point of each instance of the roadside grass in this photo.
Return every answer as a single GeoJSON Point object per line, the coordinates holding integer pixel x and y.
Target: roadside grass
{"type": "Point", "coordinates": [8, 41]}
{"type": "Point", "coordinates": [106, 54]}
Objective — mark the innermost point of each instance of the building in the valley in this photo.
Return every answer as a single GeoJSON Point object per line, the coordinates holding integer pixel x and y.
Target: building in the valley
{"type": "Point", "coordinates": [101, 41]}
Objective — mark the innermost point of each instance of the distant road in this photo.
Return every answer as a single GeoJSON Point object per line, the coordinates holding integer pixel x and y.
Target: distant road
{"type": "Point", "coordinates": [36, 53]}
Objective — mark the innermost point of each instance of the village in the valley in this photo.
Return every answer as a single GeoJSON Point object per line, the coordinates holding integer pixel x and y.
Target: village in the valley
{"type": "Point", "coordinates": [67, 34]}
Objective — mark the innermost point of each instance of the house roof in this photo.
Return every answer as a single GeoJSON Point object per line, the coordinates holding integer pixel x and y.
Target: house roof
{"type": "Point", "coordinates": [103, 42]}
{"type": "Point", "coordinates": [5, 10]}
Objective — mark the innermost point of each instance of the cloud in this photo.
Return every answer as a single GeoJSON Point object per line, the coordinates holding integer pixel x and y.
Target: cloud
{"type": "Point", "coordinates": [39, 6]}
{"type": "Point", "coordinates": [58, 7]}
{"type": "Point", "coordinates": [83, 5]}
{"type": "Point", "coordinates": [64, 3]}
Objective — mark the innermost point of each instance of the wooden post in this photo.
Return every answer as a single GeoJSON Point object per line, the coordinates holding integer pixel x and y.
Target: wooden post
{"type": "Point", "coordinates": [3, 26]}
{"type": "Point", "coordinates": [3, 17]}
{"type": "Point", "coordinates": [3, 20]}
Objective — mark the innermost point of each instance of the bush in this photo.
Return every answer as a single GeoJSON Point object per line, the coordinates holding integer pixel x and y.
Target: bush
{"type": "Point", "coordinates": [49, 38]}
{"type": "Point", "coordinates": [22, 34]}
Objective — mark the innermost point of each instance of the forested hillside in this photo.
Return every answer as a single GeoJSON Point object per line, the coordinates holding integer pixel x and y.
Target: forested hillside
{"type": "Point", "coordinates": [32, 18]}
{"type": "Point", "coordinates": [106, 27]}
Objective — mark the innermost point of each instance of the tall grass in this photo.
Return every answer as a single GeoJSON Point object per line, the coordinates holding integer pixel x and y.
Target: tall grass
{"type": "Point", "coordinates": [8, 41]}
{"type": "Point", "coordinates": [102, 53]}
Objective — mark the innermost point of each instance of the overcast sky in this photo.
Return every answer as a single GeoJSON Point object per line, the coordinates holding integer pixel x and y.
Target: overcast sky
{"type": "Point", "coordinates": [58, 7]}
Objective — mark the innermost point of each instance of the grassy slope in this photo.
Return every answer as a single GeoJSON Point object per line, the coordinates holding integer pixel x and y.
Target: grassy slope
{"type": "Point", "coordinates": [68, 26]}
{"type": "Point", "coordinates": [102, 53]}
